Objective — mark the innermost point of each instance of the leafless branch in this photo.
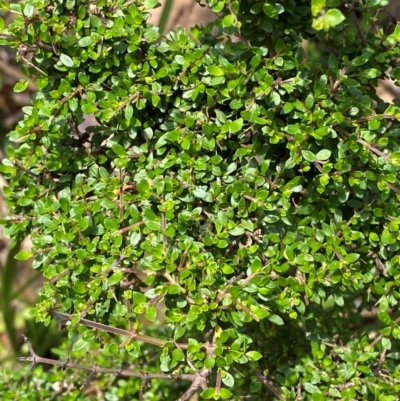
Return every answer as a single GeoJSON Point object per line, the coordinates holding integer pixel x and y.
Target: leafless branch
{"type": "Point", "coordinates": [231, 282]}
{"type": "Point", "coordinates": [201, 377]}
{"type": "Point", "coordinates": [269, 386]}
{"type": "Point", "coordinates": [95, 369]}
{"type": "Point", "coordinates": [379, 338]}
{"type": "Point", "coordinates": [114, 330]}
{"type": "Point", "coordinates": [16, 74]}
{"type": "Point", "coordinates": [384, 116]}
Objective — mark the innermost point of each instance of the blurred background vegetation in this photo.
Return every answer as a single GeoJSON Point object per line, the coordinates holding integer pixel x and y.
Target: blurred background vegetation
{"type": "Point", "coordinates": [19, 283]}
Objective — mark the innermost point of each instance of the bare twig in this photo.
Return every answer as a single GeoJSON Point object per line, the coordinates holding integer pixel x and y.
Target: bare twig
{"type": "Point", "coordinates": [172, 280]}
{"type": "Point", "coordinates": [231, 282]}
{"type": "Point", "coordinates": [269, 385]}
{"type": "Point", "coordinates": [373, 149]}
{"type": "Point", "coordinates": [114, 330]}
{"type": "Point", "coordinates": [248, 279]}
{"type": "Point", "coordinates": [358, 26]}
{"type": "Point", "coordinates": [384, 116]}
{"type": "Point", "coordinates": [163, 229]}
{"type": "Point", "coordinates": [379, 338]}
{"type": "Point", "coordinates": [336, 85]}
{"type": "Point", "coordinates": [16, 74]}
{"type": "Point", "coordinates": [201, 378]}
{"type": "Point", "coordinates": [94, 369]}
{"type": "Point", "coordinates": [125, 229]}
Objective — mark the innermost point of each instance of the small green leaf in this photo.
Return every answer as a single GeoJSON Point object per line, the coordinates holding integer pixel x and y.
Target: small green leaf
{"type": "Point", "coordinates": [317, 6]}
{"type": "Point", "coordinates": [270, 10]}
{"type": "Point", "coordinates": [23, 255]}
{"type": "Point", "coordinates": [115, 278]}
{"type": "Point", "coordinates": [275, 319]}
{"type": "Point", "coordinates": [118, 149]}
{"type": "Point", "coordinates": [215, 70]}
{"type": "Point", "coordinates": [371, 73]}
{"type": "Point", "coordinates": [28, 10]}
{"type": "Point", "coordinates": [85, 41]}
{"type": "Point", "coordinates": [334, 17]}
{"type": "Point", "coordinates": [323, 154]}
{"type": "Point", "coordinates": [225, 393]}
{"type": "Point", "coordinates": [209, 362]}
{"type": "Point", "coordinates": [173, 136]}
{"type": "Point", "coordinates": [260, 313]}
{"type": "Point", "coordinates": [352, 257]}
{"type": "Point", "coordinates": [387, 237]}
{"type": "Point", "coordinates": [358, 61]}
{"type": "Point", "coordinates": [112, 349]}
{"type": "Point", "coordinates": [237, 231]}
{"type": "Point", "coordinates": [236, 126]}
{"type": "Point", "coordinates": [208, 393]}
{"type": "Point", "coordinates": [386, 343]}
{"type": "Point", "coordinates": [308, 155]}
{"type": "Point", "coordinates": [384, 317]}
{"type": "Point", "coordinates": [227, 21]}
{"type": "Point", "coordinates": [151, 314]}
{"type": "Point", "coordinates": [162, 72]}
{"type": "Point", "coordinates": [80, 344]}
{"type": "Point", "coordinates": [4, 5]}
{"type": "Point", "coordinates": [143, 186]}
{"type": "Point", "coordinates": [66, 60]}
{"type": "Point", "coordinates": [80, 287]}
{"type": "Point", "coordinates": [21, 85]}
{"type": "Point", "coordinates": [253, 355]}
{"type": "Point", "coordinates": [149, 4]}
{"type": "Point", "coordinates": [89, 108]}
{"type": "Point", "coordinates": [311, 388]}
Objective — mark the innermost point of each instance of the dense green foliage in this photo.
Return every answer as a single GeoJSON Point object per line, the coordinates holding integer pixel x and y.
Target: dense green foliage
{"type": "Point", "coordinates": [243, 196]}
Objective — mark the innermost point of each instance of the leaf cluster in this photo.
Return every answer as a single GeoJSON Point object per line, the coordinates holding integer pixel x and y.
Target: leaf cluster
{"type": "Point", "coordinates": [251, 187]}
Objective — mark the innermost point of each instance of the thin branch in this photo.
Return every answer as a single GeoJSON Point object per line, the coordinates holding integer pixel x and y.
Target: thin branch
{"type": "Point", "coordinates": [93, 372]}
{"type": "Point", "coordinates": [269, 386]}
{"type": "Point", "coordinates": [248, 279]}
{"type": "Point", "coordinates": [231, 282]}
{"type": "Point", "coordinates": [95, 369]}
{"type": "Point", "coordinates": [332, 345]}
{"type": "Point", "coordinates": [16, 74]}
{"type": "Point", "coordinates": [252, 199]}
{"type": "Point", "coordinates": [384, 116]}
{"type": "Point", "coordinates": [392, 187]}
{"type": "Point", "coordinates": [219, 380]}
{"type": "Point", "coordinates": [114, 330]}
{"type": "Point", "coordinates": [26, 171]}
{"type": "Point", "coordinates": [247, 310]}
{"type": "Point", "coordinates": [201, 377]}
{"type": "Point", "coordinates": [379, 338]}
{"type": "Point", "coordinates": [125, 229]}
{"type": "Point", "coordinates": [171, 279]}
{"type": "Point", "coordinates": [336, 85]}
{"type": "Point", "coordinates": [358, 26]}
{"type": "Point", "coordinates": [373, 149]}
{"type": "Point", "coordinates": [59, 276]}
{"type": "Point", "coordinates": [183, 260]}
{"type": "Point", "coordinates": [163, 229]}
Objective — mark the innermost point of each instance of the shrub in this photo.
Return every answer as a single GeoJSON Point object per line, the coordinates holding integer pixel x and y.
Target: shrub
{"type": "Point", "coordinates": [243, 196]}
